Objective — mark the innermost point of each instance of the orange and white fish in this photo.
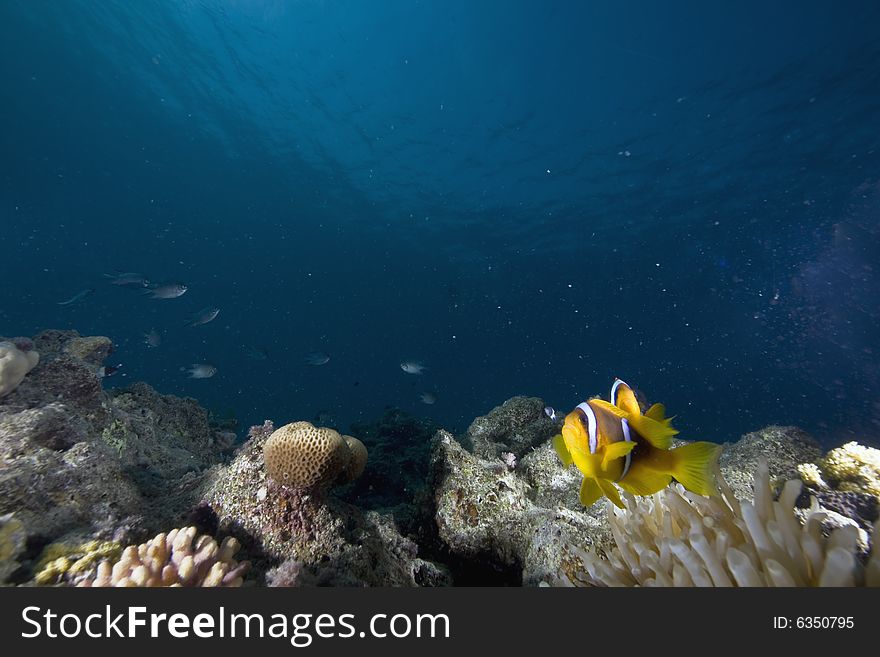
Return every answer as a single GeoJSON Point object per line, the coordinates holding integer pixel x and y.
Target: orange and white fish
{"type": "Point", "coordinates": [615, 443]}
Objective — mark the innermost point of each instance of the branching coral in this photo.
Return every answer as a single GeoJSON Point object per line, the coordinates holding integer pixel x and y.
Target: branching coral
{"type": "Point", "coordinates": [675, 538]}
{"type": "Point", "coordinates": [179, 558]}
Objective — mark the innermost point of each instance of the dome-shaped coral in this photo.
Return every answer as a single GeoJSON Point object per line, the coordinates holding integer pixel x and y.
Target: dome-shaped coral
{"type": "Point", "coordinates": [300, 455]}
{"type": "Point", "coordinates": [358, 458]}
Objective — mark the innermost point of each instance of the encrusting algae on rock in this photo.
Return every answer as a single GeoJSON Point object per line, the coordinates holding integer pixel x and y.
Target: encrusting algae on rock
{"type": "Point", "coordinates": [64, 562]}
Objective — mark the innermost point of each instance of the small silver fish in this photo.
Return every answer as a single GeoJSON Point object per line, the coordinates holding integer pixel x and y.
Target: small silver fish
{"type": "Point", "coordinates": [257, 353]}
{"type": "Point", "coordinates": [128, 279]}
{"type": "Point", "coordinates": [204, 316]}
{"type": "Point", "coordinates": [152, 339]}
{"type": "Point", "coordinates": [169, 291]}
{"type": "Point", "coordinates": [317, 358]}
{"type": "Point", "coordinates": [79, 296]}
{"type": "Point", "coordinates": [412, 367]}
{"type": "Point", "coordinates": [200, 371]}
{"type": "Point", "coordinates": [550, 412]}
{"type": "Point", "coordinates": [428, 398]}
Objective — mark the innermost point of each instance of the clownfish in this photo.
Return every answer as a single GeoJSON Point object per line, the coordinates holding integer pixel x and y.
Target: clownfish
{"type": "Point", "coordinates": [615, 443]}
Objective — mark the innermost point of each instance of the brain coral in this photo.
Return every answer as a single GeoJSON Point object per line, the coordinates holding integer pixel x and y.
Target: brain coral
{"type": "Point", "coordinates": [302, 456]}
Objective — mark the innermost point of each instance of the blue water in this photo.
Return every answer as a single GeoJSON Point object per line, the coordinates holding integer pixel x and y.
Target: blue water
{"type": "Point", "coordinates": [527, 197]}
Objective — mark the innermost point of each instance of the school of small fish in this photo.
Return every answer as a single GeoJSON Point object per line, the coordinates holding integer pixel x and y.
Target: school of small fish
{"type": "Point", "coordinates": [170, 290]}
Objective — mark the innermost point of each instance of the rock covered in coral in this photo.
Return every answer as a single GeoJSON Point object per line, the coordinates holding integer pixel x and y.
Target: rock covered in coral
{"type": "Point", "coordinates": [515, 427]}
{"type": "Point", "coordinates": [845, 481]}
{"type": "Point", "coordinates": [508, 521]}
{"type": "Point", "coordinates": [78, 462]}
{"type": "Point", "coordinates": [12, 544]}
{"type": "Point", "coordinates": [302, 456]}
{"type": "Point", "coordinates": [783, 448]}
{"type": "Point", "coordinates": [528, 520]}
{"type": "Point", "coordinates": [67, 563]}
{"type": "Point", "coordinates": [277, 524]}
{"type": "Point", "coordinates": [851, 468]}
{"type": "Point", "coordinates": [15, 363]}
{"type": "Point", "coordinates": [179, 558]}
{"type": "Point", "coordinates": [399, 447]}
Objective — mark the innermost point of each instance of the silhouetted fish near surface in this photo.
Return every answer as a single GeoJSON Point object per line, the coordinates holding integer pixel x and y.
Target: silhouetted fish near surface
{"type": "Point", "coordinates": [128, 279]}
{"type": "Point", "coordinates": [316, 358]}
{"type": "Point", "coordinates": [412, 367]}
{"type": "Point", "coordinates": [204, 316]}
{"type": "Point", "coordinates": [79, 296]}
{"type": "Point", "coordinates": [168, 291]}
{"type": "Point", "coordinates": [200, 371]}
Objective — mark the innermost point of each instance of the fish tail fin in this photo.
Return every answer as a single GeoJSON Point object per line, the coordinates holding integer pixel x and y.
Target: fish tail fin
{"type": "Point", "coordinates": [694, 467]}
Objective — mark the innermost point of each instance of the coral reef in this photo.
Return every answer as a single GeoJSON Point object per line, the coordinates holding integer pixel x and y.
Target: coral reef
{"type": "Point", "coordinates": [276, 523]}
{"type": "Point", "coordinates": [515, 427]}
{"type": "Point", "coordinates": [179, 558]}
{"type": "Point", "coordinates": [399, 447]}
{"type": "Point", "coordinates": [675, 538]}
{"type": "Point", "coordinates": [15, 363]}
{"type": "Point", "coordinates": [79, 463]}
{"type": "Point", "coordinates": [302, 456]}
{"type": "Point", "coordinates": [87, 471]}
{"type": "Point", "coordinates": [782, 447]}
{"type": "Point", "coordinates": [523, 521]}
{"type": "Point", "coordinates": [509, 522]}
{"type": "Point", "coordinates": [853, 468]}
{"type": "Point", "coordinates": [65, 562]}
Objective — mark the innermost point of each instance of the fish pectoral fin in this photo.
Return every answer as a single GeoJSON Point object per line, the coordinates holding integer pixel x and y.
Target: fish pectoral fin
{"type": "Point", "coordinates": [657, 412]}
{"type": "Point", "coordinates": [625, 399]}
{"type": "Point", "coordinates": [658, 433]}
{"type": "Point", "coordinates": [610, 491]}
{"type": "Point", "coordinates": [616, 451]}
{"type": "Point", "coordinates": [642, 480]}
{"type": "Point", "coordinates": [590, 491]}
{"type": "Point", "coordinates": [562, 450]}
{"type": "Point", "coordinates": [694, 467]}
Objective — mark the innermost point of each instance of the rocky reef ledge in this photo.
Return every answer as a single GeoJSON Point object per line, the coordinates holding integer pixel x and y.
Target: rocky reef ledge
{"type": "Point", "coordinates": [85, 472]}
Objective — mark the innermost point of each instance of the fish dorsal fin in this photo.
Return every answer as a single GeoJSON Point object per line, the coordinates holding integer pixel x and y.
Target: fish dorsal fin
{"type": "Point", "coordinates": [611, 408]}
{"type": "Point", "coordinates": [616, 451]}
{"type": "Point", "coordinates": [624, 398]}
{"type": "Point", "coordinates": [562, 450]}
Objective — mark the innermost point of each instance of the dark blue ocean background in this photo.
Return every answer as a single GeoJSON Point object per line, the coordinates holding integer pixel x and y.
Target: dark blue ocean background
{"type": "Point", "coordinates": [527, 197]}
